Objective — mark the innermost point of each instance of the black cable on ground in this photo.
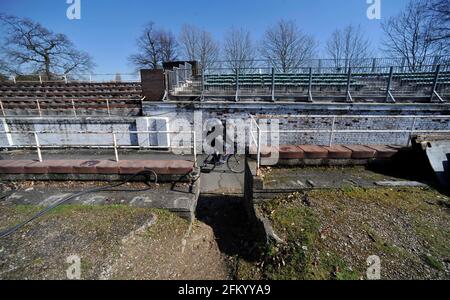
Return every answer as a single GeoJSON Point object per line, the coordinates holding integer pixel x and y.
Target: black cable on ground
{"type": "Point", "coordinates": [13, 229]}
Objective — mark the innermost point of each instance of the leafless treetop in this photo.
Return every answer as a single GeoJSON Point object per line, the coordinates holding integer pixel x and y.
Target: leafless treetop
{"type": "Point", "coordinates": [155, 46]}
{"type": "Point", "coordinates": [347, 47]}
{"type": "Point", "coordinates": [286, 47]}
{"type": "Point", "coordinates": [239, 50]}
{"type": "Point", "coordinates": [30, 47]}
{"type": "Point", "coordinates": [199, 45]}
{"type": "Point", "coordinates": [411, 35]}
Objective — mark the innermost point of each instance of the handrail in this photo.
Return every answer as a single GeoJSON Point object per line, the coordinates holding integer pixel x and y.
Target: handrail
{"type": "Point", "coordinates": [115, 145]}
{"type": "Point", "coordinates": [332, 131]}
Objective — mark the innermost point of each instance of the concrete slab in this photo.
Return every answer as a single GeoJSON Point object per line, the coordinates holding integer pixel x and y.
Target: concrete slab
{"type": "Point", "coordinates": [291, 152]}
{"type": "Point", "coordinates": [86, 167]}
{"type": "Point", "coordinates": [14, 166]}
{"type": "Point", "coordinates": [338, 152]}
{"type": "Point", "coordinates": [361, 152]}
{"type": "Point", "coordinates": [107, 167]}
{"type": "Point", "coordinates": [314, 152]}
{"type": "Point", "coordinates": [438, 153]}
{"type": "Point", "coordinates": [181, 199]}
{"type": "Point", "coordinates": [383, 151]}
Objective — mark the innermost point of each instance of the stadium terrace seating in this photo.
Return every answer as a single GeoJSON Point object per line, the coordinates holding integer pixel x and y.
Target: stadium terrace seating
{"type": "Point", "coordinates": [57, 98]}
{"type": "Point", "coordinates": [364, 86]}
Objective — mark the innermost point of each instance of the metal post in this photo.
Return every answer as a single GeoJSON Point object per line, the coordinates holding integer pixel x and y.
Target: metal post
{"type": "Point", "coordinates": [74, 109]}
{"type": "Point", "coordinates": [320, 66]}
{"type": "Point", "coordinates": [65, 79]}
{"type": "Point", "coordinates": [273, 84]}
{"type": "Point", "coordinates": [237, 86]}
{"type": "Point", "coordinates": [195, 148]}
{"type": "Point", "coordinates": [389, 84]}
{"type": "Point", "coordinates": [14, 79]}
{"type": "Point", "coordinates": [116, 152]}
{"type": "Point", "coordinates": [177, 79]}
{"type": "Point", "coordinates": [258, 154]}
{"type": "Point", "coordinates": [435, 83]}
{"type": "Point", "coordinates": [40, 78]}
{"type": "Point", "coordinates": [349, 78]}
{"type": "Point", "coordinates": [310, 98]}
{"type": "Point", "coordinates": [333, 127]}
{"type": "Point", "coordinates": [38, 146]}
{"type": "Point", "coordinates": [39, 107]}
{"type": "Point", "coordinates": [403, 64]}
{"type": "Point", "coordinates": [107, 107]}
{"type": "Point", "coordinates": [203, 84]}
{"type": "Point", "coordinates": [413, 126]}
{"type": "Point", "coordinates": [2, 108]}
{"type": "Point", "coordinates": [374, 65]}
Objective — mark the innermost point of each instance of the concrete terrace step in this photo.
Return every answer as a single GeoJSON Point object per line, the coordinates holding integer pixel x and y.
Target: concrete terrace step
{"type": "Point", "coordinates": [337, 152]}
{"type": "Point", "coordinates": [124, 167]}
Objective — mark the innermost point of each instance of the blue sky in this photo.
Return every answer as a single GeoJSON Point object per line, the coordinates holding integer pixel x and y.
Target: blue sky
{"type": "Point", "coordinates": [108, 28]}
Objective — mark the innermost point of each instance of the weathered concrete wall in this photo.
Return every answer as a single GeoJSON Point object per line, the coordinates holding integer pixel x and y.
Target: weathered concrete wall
{"type": "Point", "coordinates": [187, 116]}
{"type": "Point", "coordinates": [288, 116]}
{"type": "Point", "coordinates": [55, 125]}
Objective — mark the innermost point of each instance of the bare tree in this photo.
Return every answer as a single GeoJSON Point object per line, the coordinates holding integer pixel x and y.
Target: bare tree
{"type": "Point", "coordinates": [439, 13]}
{"type": "Point", "coordinates": [348, 47]}
{"type": "Point", "coordinates": [239, 51]}
{"type": "Point", "coordinates": [199, 45]}
{"type": "Point", "coordinates": [189, 39]}
{"type": "Point", "coordinates": [30, 47]}
{"type": "Point", "coordinates": [154, 47]}
{"type": "Point", "coordinates": [410, 36]}
{"type": "Point", "coordinates": [286, 47]}
{"type": "Point", "coordinates": [168, 45]}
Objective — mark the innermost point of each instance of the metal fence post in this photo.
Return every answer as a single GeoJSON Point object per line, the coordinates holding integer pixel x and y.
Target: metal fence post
{"type": "Point", "coordinates": [2, 108]}
{"type": "Point", "coordinates": [203, 84]}
{"type": "Point", "coordinates": [107, 107]}
{"type": "Point", "coordinates": [349, 81]}
{"type": "Point", "coordinates": [177, 79]}
{"type": "Point", "coordinates": [73, 108]}
{"type": "Point", "coordinates": [38, 146]}
{"type": "Point", "coordinates": [258, 154]}
{"type": "Point", "coordinates": [65, 79]}
{"type": "Point", "coordinates": [116, 152]}
{"type": "Point", "coordinates": [237, 86]}
{"type": "Point", "coordinates": [333, 127]}
{"type": "Point", "coordinates": [40, 78]}
{"type": "Point", "coordinates": [374, 64]}
{"type": "Point", "coordinates": [14, 79]}
{"type": "Point", "coordinates": [310, 98]}
{"type": "Point", "coordinates": [195, 148]}
{"type": "Point", "coordinates": [389, 84]}
{"type": "Point", "coordinates": [273, 84]}
{"type": "Point", "coordinates": [413, 126]}
{"type": "Point", "coordinates": [39, 107]}
{"type": "Point", "coordinates": [403, 64]}
{"type": "Point", "coordinates": [435, 84]}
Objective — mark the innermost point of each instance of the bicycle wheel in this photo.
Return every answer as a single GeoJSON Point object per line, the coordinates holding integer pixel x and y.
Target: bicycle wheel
{"type": "Point", "coordinates": [236, 164]}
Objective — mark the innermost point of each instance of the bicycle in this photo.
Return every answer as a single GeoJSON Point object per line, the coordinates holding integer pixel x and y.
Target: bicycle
{"type": "Point", "coordinates": [234, 162]}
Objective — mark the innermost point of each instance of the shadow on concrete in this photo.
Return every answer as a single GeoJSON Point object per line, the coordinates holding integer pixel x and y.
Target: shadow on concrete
{"type": "Point", "coordinates": [410, 165]}
{"type": "Point", "coordinates": [228, 218]}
